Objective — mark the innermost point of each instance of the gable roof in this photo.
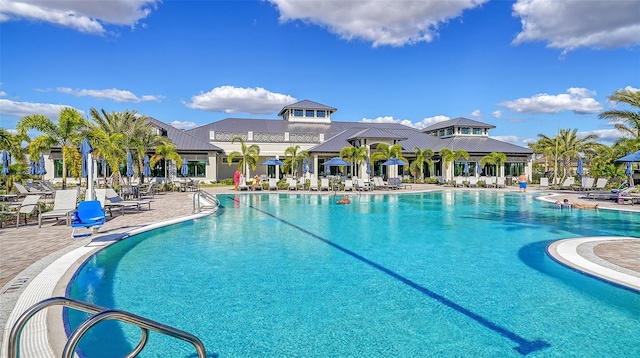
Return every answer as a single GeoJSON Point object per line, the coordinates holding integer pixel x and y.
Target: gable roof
{"type": "Point", "coordinates": [306, 104]}
{"type": "Point", "coordinates": [183, 140]}
{"type": "Point", "coordinates": [457, 122]}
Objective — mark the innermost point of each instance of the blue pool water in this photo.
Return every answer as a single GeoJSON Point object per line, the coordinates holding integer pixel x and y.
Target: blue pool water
{"type": "Point", "coordinates": [441, 274]}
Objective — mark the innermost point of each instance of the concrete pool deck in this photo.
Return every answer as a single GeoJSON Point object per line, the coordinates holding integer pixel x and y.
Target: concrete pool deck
{"type": "Point", "coordinates": [32, 258]}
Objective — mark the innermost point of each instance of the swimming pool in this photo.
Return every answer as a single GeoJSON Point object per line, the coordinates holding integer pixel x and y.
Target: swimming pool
{"type": "Point", "coordinates": [448, 273]}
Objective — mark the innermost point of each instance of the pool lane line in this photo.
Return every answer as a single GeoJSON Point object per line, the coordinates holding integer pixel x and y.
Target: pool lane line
{"type": "Point", "coordinates": [524, 346]}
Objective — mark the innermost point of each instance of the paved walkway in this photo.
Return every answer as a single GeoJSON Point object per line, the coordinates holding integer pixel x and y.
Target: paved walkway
{"type": "Point", "coordinates": [26, 251]}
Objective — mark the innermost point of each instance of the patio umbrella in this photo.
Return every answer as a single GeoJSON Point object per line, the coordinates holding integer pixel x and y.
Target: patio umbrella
{"type": "Point", "coordinates": [580, 169]}
{"type": "Point", "coordinates": [87, 167]}
{"type": "Point", "coordinates": [129, 165]}
{"type": "Point", "coordinates": [104, 167]}
{"type": "Point", "coordinates": [394, 161]}
{"type": "Point", "coordinates": [368, 166]}
{"type": "Point", "coordinates": [146, 170]}
{"type": "Point", "coordinates": [337, 162]}
{"type": "Point", "coordinates": [5, 162]}
{"type": "Point", "coordinates": [41, 169]}
{"type": "Point", "coordinates": [305, 170]}
{"type": "Point", "coordinates": [273, 161]}
{"type": "Point", "coordinates": [465, 170]}
{"type": "Point", "coordinates": [185, 168]}
{"type": "Point", "coordinates": [32, 168]}
{"type": "Point", "coordinates": [478, 168]}
{"type": "Point", "coordinates": [629, 158]}
{"type": "Point", "coordinates": [628, 171]}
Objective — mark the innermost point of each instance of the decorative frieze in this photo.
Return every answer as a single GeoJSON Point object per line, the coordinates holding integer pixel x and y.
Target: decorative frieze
{"type": "Point", "coordinates": [228, 136]}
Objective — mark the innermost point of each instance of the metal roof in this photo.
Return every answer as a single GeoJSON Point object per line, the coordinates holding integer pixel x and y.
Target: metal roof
{"type": "Point", "coordinates": [484, 145]}
{"type": "Point", "coordinates": [376, 133]}
{"type": "Point", "coordinates": [457, 122]}
{"type": "Point", "coordinates": [306, 104]}
{"type": "Point", "coordinates": [183, 140]}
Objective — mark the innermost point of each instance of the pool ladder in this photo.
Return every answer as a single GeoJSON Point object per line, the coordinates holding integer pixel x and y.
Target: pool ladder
{"type": "Point", "coordinates": [203, 200]}
{"type": "Point", "coordinates": [99, 314]}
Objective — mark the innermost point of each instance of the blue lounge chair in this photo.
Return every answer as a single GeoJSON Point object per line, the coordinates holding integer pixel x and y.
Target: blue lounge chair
{"type": "Point", "coordinates": [89, 215]}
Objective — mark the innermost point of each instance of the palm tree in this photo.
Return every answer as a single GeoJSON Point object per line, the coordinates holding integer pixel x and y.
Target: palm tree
{"type": "Point", "coordinates": [249, 156]}
{"type": "Point", "coordinates": [146, 141]}
{"type": "Point", "coordinates": [626, 121]}
{"type": "Point", "coordinates": [570, 147]}
{"type": "Point", "coordinates": [385, 152]}
{"type": "Point", "coordinates": [355, 155]}
{"type": "Point", "coordinates": [449, 156]}
{"type": "Point", "coordinates": [292, 157]}
{"type": "Point", "coordinates": [166, 152]}
{"type": "Point", "coordinates": [494, 158]}
{"type": "Point", "coordinates": [422, 157]}
{"type": "Point", "coordinates": [67, 133]}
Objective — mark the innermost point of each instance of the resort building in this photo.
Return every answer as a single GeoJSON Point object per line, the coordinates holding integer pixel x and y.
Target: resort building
{"type": "Point", "coordinates": [308, 124]}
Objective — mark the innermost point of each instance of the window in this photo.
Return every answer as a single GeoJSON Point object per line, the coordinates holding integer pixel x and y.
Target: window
{"type": "Point", "coordinates": [57, 171]}
{"type": "Point", "coordinates": [465, 130]}
{"type": "Point", "coordinates": [225, 160]}
{"type": "Point", "coordinates": [321, 114]}
{"type": "Point", "coordinates": [449, 131]}
{"type": "Point", "coordinates": [441, 133]}
{"type": "Point", "coordinates": [513, 169]}
{"type": "Point", "coordinates": [197, 168]}
{"type": "Point", "coordinates": [477, 131]}
{"type": "Point", "coordinates": [297, 113]}
{"type": "Point", "coordinates": [309, 113]}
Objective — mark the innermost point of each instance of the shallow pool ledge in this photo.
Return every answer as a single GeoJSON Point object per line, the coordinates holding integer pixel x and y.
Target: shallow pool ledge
{"type": "Point", "coordinates": [571, 253]}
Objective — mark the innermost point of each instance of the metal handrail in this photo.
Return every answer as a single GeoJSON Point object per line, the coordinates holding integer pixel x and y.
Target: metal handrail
{"type": "Point", "coordinates": [100, 314]}
{"type": "Point", "coordinates": [197, 207]}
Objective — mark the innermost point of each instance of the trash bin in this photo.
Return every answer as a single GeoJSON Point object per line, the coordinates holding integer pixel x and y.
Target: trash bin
{"type": "Point", "coordinates": [509, 181]}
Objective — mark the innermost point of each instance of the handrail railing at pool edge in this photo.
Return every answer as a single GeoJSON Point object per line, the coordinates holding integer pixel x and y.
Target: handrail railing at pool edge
{"type": "Point", "coordinates": [100, 314]}
{"type": "Point", "coordinates": [208, 197]}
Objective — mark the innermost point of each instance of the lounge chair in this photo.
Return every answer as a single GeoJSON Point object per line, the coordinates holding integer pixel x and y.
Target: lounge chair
{"type": "Point", "coordinates": [378, 183]}
{"type": "Point", "coordinates": [23, 192]}
{"type": "Point", "coordinates": [293, 184]}
{"type": "Point", "coordinates": [348, 184]}
{"type": "Point", "coordinates": [544, 183]}
{"type": "Point", "coordinates": [313, 184]}
{"type": "Point", "coordinates": [566, 184]}
{"type": "Point", "coordinates": [63, 205]}
{"type": "Point", "coordinates": [243, 184]}
{"type": "Point", "coordinates": [473, 182]}
{"type": "Point", "coordinates": [273, 184]}
{"type": "Point", "coordinates": [324, 184]}
{"type": "Point", "coordinates": [490, 183]}
{"type": "Point", "coordinates": [501, 183]}
{"type": "Point", "coordinates": [458, 182]}
{"type": "Point", "coordinates": [113, 198]}
{"type": "Point", "coordinates": [26, 207]}
{"type": "Point", "coordinates": [587, 184]}
{"type": "Point", "coordinates": [361, 185]}
{"type": "Point", "coordinates": [608, 195]}
{"type": "Point", "coordinates": [600, 184]}
{"type": "Point", "coordinates": [101, 196]}
{"type": "Point", "coordinates": [89, 216]}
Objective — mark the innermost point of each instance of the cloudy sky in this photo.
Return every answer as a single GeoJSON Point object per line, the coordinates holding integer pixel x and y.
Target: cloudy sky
{"type": "Point", "coordinates": [526, 66]}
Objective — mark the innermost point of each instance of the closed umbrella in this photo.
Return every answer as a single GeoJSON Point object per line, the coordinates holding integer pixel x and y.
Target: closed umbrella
{"type": "Point", "coordinates": [41, 169]}
{"type": "Point", "coordinates": [305, 170]}
{"type": "Point", "coordinates": [628, 172]}
{"type": "Point", "coordinates": [129, 165]}
{"type": "Point", "coordinates": [184, 171]}
{"type": "Point", "coordinates": [465, 169]}
{"type": "Point", "coordinates": [33, 170]}
{"type": "Point", "coordinates": [104, 167]}
{"type": "Point", "coordinates": [368, 165]}
{"type": "Point", "coordinates": [87, 167]}
{"type": "Point", "coordinates": [478, 168]}
{"type": "Point", "coordinates": [5, 162]}
{"type": "Point", "coordinates": [146, 170]}
{"type": "Point", "coordinates": [580, 169]}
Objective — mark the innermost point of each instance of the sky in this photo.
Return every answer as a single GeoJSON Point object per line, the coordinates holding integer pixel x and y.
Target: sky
{"type": "Point", "coordinates": [527, 67]}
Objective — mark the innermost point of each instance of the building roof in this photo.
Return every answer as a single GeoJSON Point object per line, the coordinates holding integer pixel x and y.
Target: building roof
{"type": "Point", "coordinates": [484, 145]}
{"type": "Point", "coordinates": [306, 104]}
{"type": "Point", "coordinates": [457, 122]}
{"type": "Point", "coordinates": [376, 133]}
{"type": "Point", "coordinates": [183, 140]}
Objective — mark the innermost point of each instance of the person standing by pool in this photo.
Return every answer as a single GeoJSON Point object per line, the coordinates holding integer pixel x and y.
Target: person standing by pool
{"type": "Point", "coordinates": [236, 180]}
{"type": "Point", "coordinates": [522, 179]}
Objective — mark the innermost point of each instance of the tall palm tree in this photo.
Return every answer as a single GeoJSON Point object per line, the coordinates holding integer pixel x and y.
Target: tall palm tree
{"type": "Point", "coordinates": [548, 147]}
{"type": "Point", "coordinates": [166, 152]}
{"type": "Point", "coordinates": [626, 121]}
{"type": "Point", "coordinates": [67, 132]}
{"type": "Point", "coordinates": [355, 155]}
{"type": "Point", "coordinates": [292, 157]}
{"type": "Point", "coordinates": [249, 156]}
{"type": "Point", "coordinates": [449, 156]}
{"type": "Point", "coordinates": [146, 141]}
{"type": "Point", "coordinates": [570, 147]}
{"type": "Point", "coordinates": [422, 157]}
{"type": "Point", "coordinates": [494, 158]}
{"type": "Point", "coordinates": [385, 152]}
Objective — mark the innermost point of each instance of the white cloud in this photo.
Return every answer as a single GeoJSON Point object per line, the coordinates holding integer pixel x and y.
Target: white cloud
{"type": "Point", "coordinates": [3, 93]}
{"type": "Point", "coordinates": [507, 138]}
{"type": "Point", "coordinates": [496, 114]}
{"type": "Point", "coordinates": [422, 124]}
{"type": "Point", "coordinates": [572, 24]}
{"type": "Point", "coordinates": [529, 140]}
{"type": "Point", "coordinates": [476, 114]}
{"type": "Point", "coordinates": [84, 16]}
{"type": "Point", "coordinates": [21, 109]}
{"type": "Point", "coordinates": [182, 125]}
{"type": "Point", "coordinates": [113, 94]}
{"type": "Point", "coordinates": [604, 135]}
{"type": "Point", "coordinates": [577, 100]}
{"type": "Point", "coordinates": [383, 23]}
{"type": "Point", "coordinates": [231, 99]}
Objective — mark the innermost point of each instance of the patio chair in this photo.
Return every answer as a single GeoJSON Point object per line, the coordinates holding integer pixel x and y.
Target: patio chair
{"type": "Point", "coordinates": [473, 182]}
{"type": "Point", "coordinates": [23, 191]}
{"type": "Point", "coordinates": [600, 184]}
{"type": "Point", "coordinates": [26, 207]}
{"type": "Point", "coordinates": [608, 195]}
{"type": "Point", "coordinates": [64, 204]}
{"type": "Point", "coordinates": [101, 196]}
{"type": "Point", "coordinates": [313, 184]}
{"type": "Point", "coordinates": [544, 183]}
{"type": "Point", "coordinates": [566, 185]}
{"type": "Point", "coordinates": [378, 183]}
{"type": "Point", "coordinates": [348, 184]}
{"type": "Point", "coordinates": [243, 184]}
{"type": "Point", "coordinates": [490, 183]}
{"type": "Point", "coordinates": [587, 184]}
{"type": "Point", "coordinates": [501, 183]}
{"type": "Point", "coordinates": [458, 182]}
{"type": "Point", "coordinates": [113, 198]}
{"type": "Point", "coordinates": [324, 184]}
{"type": "Point", "coordinates": [273, 184]}
{"type": "Point", "coordinates": [89, 216]}
{"type": "Point", "coordinates": [361, 185]}
{"type": "Point", "coordinates": [293, 184]}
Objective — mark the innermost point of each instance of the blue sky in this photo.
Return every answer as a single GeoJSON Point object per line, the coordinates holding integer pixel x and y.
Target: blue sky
{"type": "Point", "coordinates": [527, 67]}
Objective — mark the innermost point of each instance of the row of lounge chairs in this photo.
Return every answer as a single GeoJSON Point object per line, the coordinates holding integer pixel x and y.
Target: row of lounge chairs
{"type": "Point", "coordinates": [624, 196]}
{"type": "Point", "coordinates": [473, 182]}
{"type": "Point", "coordinates": [324, 184]}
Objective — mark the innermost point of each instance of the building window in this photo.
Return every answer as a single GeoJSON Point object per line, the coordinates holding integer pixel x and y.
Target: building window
{"type": "Point", "coordinates": [513, 169]}
{"type": "Point", "coordinates": [297, 113]}
{"type": "Point", "coordinates": [309, 113]}
{"type": "Point", "coordinates": [321, 114]}
{"type": "Point", "coordinates": [465, 130]}
{"type": "Point", "coordinates": [225, 160]}
{"type": "Point", "coordinates": [197, 168]}
{"type": "Point", "coordinates": [449, 131]}
{"type": "Point", "coordinates": [57, 171]}
{"type": "Point", "coordinates": [441, 133]}
{"type": "Point", "coordinates": [477, 131]}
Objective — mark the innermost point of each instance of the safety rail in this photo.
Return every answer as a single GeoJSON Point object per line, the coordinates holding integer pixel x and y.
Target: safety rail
{"type": "Point", "coordinates": [210, 201]}
{"type": "Point", "coordinates": [99, 314]}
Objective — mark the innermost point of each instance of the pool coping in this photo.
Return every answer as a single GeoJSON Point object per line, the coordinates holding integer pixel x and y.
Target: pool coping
{"type": "Point", "coordinates": [34, 340]}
